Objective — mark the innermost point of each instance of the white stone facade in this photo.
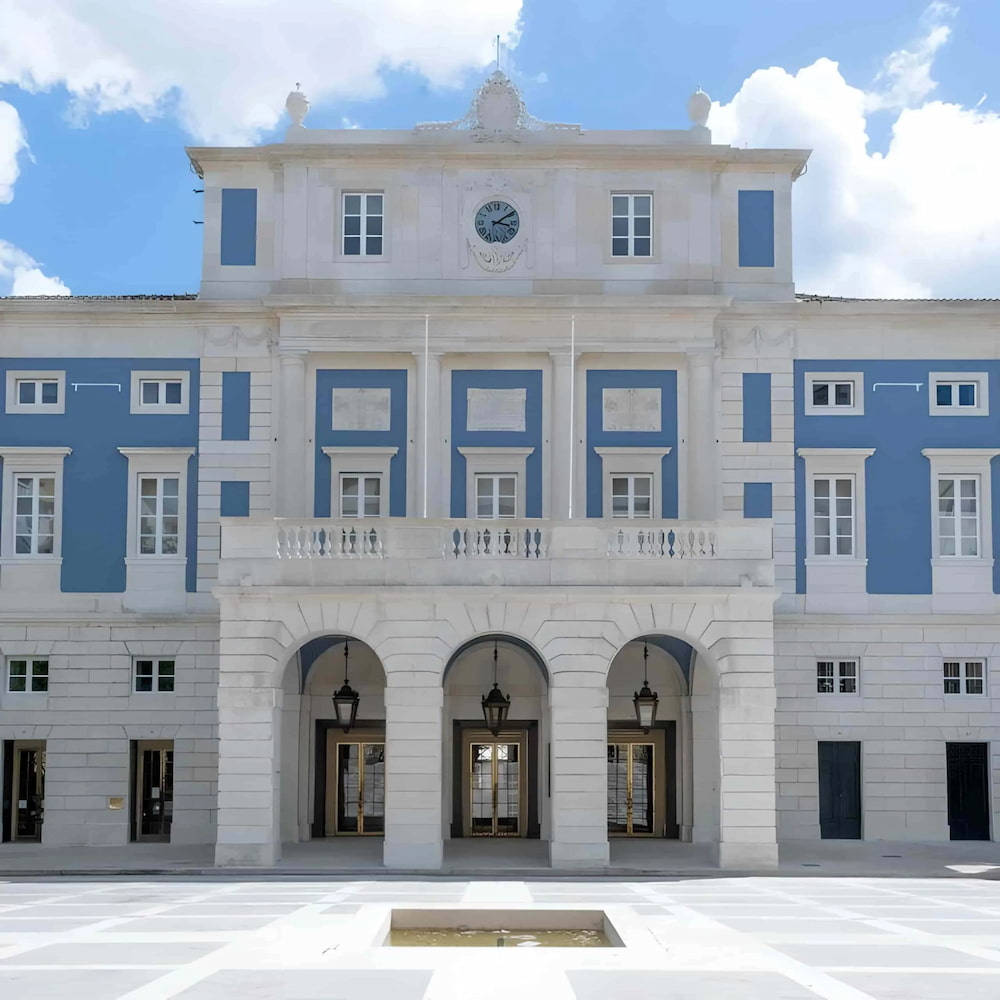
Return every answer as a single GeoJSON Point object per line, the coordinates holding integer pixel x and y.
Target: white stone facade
{"type": "Point", "coordinates": [436, 383]}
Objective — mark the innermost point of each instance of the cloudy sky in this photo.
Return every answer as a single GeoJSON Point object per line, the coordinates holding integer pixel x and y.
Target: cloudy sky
{"type": "Point", "coordinates": [98, 99]}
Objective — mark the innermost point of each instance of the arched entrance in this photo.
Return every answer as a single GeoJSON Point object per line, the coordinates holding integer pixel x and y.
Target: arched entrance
{"type": "Point", "coordinates": [494, 785]}
{"type": "Point", "coordinates": [332, 782]}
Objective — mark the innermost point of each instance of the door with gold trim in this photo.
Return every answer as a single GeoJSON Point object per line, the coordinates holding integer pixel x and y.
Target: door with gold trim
{"type": "Point", "coordinates": [495, 792]}
{"type": "Point", "coordinates": [355, 803]}
{"type": "Point", "coordinates": [28, 797]}
{"type": "Point", "coordinates": [636, 785]}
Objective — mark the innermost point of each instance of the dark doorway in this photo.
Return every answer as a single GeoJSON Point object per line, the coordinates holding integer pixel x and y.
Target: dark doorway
{"type": "Point", "coordinates": [968, 791]}
{"type": "Point", "coordinates": [152, 790]}
{"type": "Point", "coordinates": [840, 790]}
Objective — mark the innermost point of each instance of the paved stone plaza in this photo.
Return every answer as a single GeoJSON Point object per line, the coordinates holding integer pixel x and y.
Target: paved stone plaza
{"type": "Point", "coordinates": [697, 939]}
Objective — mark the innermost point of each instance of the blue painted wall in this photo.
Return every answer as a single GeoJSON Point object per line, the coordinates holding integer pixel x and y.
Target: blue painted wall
{"type": "Point", "coordinates": [530, 437]}
{"type": "Point", "coordinates": [96, 423]}
{"type": "Point", "coordinates": [328, 379]}
{"type": "Point", "coordinates": [238, 241]}
{"type": "Point", "coordinates": [897, 424]}
{"type": "Point", "coordinates": [756, 406]}
{"type": "Point", "coordinates": [666, 437]}
{"type": "Point", "coordinates": [757, 500]}
{"type": "Point", "coordinates": [234, 500]}
{"type": "Point", "coordinates": [756, 228]}
{"type": "Point", "coordinates": [236, 406]}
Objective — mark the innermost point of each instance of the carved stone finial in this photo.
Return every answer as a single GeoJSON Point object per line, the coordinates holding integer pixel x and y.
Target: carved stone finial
{"type": "Point", "coordinates": [699, 105]}
{"type": "Point", "coordinates": [297, 106]}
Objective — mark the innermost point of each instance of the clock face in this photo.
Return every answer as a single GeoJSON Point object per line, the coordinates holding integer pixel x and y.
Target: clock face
{"type": "Point", "coordinates": [497, 222]}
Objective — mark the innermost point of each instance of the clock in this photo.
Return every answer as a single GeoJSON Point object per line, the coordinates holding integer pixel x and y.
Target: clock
{"type": "Point", "coordinates": [497, 222]}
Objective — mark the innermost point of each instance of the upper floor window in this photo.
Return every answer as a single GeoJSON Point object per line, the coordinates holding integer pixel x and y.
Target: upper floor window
{"type": "Point", "coordinates": [959, 394]}
{"type": "Point", "coordinates": [154, 675]}
{"type": "Point", "coordinates": [631, 225]}
{"type": "Point", "coordinates": [363, 217]}
{"type": "Point", "coordinates": [964, 677]}
{"type": "Point", "coordinates": [833, 515]}
{"type": "Point", "coordinates": [837, 677]}
{"type": "Point", "coordinates": [35, 392]}
{"type": "Point", "coordinates": [360, 496]}
{"type": "Point", "coordinates": [160, 392]}
{"type": "Point", "coordinates": [27, 675]}
{"type": "Point", "coordinates": [159, 519]}
{"type": "Point", "coordinates": [496, 496]}
{"type": "Point", "coordinates": [834, 393]}
{"type": "Point", "coordinates": [631, 496]}
{"type": "Point", "coordinates": [34, 515]}
{"type": "Point", "coordinates": [958, 515]}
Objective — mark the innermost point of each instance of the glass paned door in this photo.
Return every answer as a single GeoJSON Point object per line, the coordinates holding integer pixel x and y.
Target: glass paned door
{"type": "Point", "coordinates": [360, 788]}
{"type": "Point", "coordinates": [630, 789]}
{"type": "Point", "coordinates": [154, 798]}
{"type": "Point", "coordinates": [29, 792]}
{"type": "Point", "coordinates": [495, 789]}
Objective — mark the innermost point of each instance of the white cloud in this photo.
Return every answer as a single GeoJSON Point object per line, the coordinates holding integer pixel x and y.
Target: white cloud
{"type": "Point", "coordinates": [12, 141]}
{"type": "Point", "coordinates": [224, 68]}
{"type": "Point", "coordinates": [20, 274]}
{"type": "Point", "coordinates": [921, 220]}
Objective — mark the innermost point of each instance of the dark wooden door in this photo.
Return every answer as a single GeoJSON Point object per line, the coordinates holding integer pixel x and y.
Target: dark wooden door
{"type": "Point", "coordinates": [968, 791]}
{"type": "Point", "coordinates": [840, 790]}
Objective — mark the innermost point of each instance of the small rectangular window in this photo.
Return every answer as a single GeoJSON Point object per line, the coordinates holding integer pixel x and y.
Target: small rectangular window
{"type": "Point", "coordinates": [958, 516]}
{"type": "Point", "coordinates": [360, 496]}
{"type": "Point", "coordinates": [834, 394]}
{"type": "Point", "coordinates": [833, 516]}
{"type": "Point", "coordinates": [496, 496]}
{"type": "Point", "coordinates": [631, 225]}
{"type": "Point", "coordinates": [363, 221]}
{"type": "Point", "coordinates": [159, 515]}
{"type": "Point", "coordinates": [959, 394]}
{"type": "Point", "coordinates": [35, 391]}
{"type": "Point", "coordinates": [632, 496]}
{"type": "Point", "coordinates": [34, 515]}
{"type": "Point", "coordinates": [837, 677]}
{"type": "Point", "coordinates": [28, 676]}
{"type": "Point", "coordinates": [154, 675]}
{"type": "Point", "coordinates": [964, 677]}
{"type": "Point", "coordinates": [159, 392]}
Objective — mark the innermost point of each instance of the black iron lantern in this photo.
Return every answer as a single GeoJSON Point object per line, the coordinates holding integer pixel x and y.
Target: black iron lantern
{"type": "Point", "coordinates": [345, 701]}
{"type": "Point", "coordinates": [645, 700]}
{"type": "Point", "coordinates": [495, 705]}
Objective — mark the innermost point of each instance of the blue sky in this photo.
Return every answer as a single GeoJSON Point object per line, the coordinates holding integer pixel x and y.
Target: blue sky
{"type": "Point", "coordinates": [99, 115]}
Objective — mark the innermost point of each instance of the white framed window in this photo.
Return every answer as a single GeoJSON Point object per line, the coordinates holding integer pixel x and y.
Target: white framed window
{"type": "Point", "coordinates": [496, 496]}
{"type": "Point", "coordinates": [632, 224]}
{"type": "Point", "coordinates": [959, 394]}
{"type": "Point", "coordinates": [153, 675]}
{"type": "Point", "coordinates": [36, 392]}
{"type": "Point", "coordinates": [160, 392]}
{"type": "Point", "coordinates": [159, 516]}
{"type": "Point", "coordinates": [833, 516]}
{"type": "Point", "coordinates": [363, 219]}
{"type": "Point", "coordinates": [27, 675]}
{"type": "Point", "coordinates": [965, 677]}
{"type": "Point", "coordinates": [834, 394]}
{"type": "Point", "coordinates": [958, 516]}
{"type": "Point", "coordinates": [836, 676]}
{"type": "Point", "coordinates": [632, 496]}
{"type": "Point", "coordinates": [34, 514]}
{"type": "Point", "coordinates": [360, 495]}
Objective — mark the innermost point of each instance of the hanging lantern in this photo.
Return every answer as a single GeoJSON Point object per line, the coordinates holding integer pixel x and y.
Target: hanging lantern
{"type": "Point", "coordinates": [495, 705]}
{"type": "Point", "coordinates": [645, 700]}
{"type": "Point", "coordinates": [346, 700]}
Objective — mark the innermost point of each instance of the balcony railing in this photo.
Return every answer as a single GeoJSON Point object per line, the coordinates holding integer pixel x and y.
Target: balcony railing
{"type": "Point", "coordinates": [397, 551]}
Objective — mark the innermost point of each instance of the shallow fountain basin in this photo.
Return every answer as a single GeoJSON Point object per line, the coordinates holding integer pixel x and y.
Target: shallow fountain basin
{"type": "Point", "coordinates": [495, 928]}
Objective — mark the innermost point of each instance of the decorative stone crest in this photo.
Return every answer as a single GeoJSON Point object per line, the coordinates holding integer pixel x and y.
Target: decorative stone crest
{"type": "Point", "coordinates": [496, 259]}
{"type": "Point", "coordinates": [497, 114]}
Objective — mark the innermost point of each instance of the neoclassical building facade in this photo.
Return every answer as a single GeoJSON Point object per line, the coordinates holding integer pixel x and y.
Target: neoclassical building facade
{"type": "Point", "coordinates": [497, 405]}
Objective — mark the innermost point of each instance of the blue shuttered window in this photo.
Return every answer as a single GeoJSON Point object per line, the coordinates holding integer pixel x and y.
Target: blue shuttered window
{"type": "Point", "coordinates": [239, 227]}
{"type": "Point", "coordinates": [756, 225]}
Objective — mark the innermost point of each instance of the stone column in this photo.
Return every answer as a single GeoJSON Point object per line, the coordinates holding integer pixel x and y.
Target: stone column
{"type": "Point", "coordinates": [428, 396]}
{"type": "Point", "coordinates": [563, 373]}
{"type": "Point", "coordinates": [702, 449]}
{"type": "Point", "coordinates": [414, 704]}
{"type": "Point", "coordinates": [579, 771]}
{"type": "Point", "coordinates": [292, 500]}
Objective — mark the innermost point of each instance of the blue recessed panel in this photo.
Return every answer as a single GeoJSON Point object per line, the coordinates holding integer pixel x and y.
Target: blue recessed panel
{"type": "Point", "coordinates": [97, 422]}
{"type": "Point", "coordinates": [238, 245]}
{"type": "Point", "coordinates": [898, 424]}
{"type": "Point", "coordinates": [234, 500]}
{"type": "Point", "coordinates": [757, 500]}
{"type": "Point", "coordinates": [530, 437]}
{"type": "Point", "coordinates": [756, 228]}
{"type": "Point", "coordinates": [597, 437]}
{"type": "Point", "coordinates": [756, 406]}
{"type": "Point", "coordinates": [393, 379]}
{"type": "Point", "coordinates": [236, 406]}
